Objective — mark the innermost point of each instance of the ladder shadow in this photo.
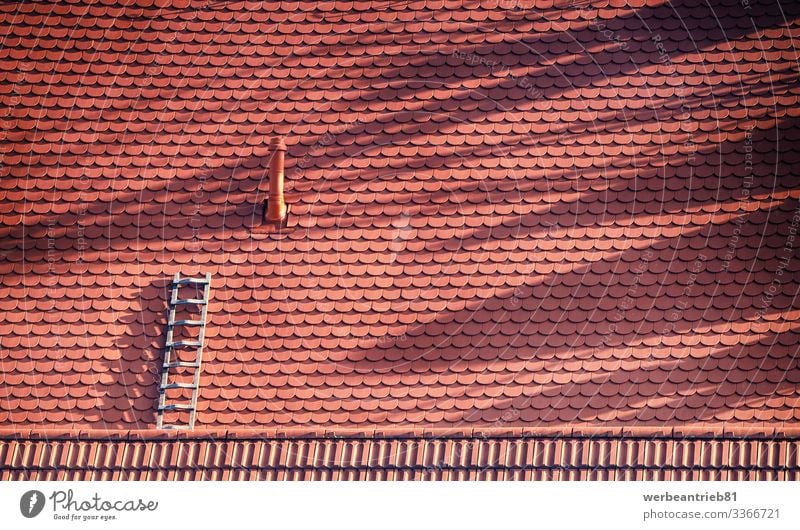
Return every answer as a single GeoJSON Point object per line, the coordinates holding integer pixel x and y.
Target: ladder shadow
{"type": "Point", "coordinates": [130, 400]}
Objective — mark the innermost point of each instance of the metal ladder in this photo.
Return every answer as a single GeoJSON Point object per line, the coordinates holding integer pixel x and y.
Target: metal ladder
{"type": "Point", "coordinates": [183, 357]}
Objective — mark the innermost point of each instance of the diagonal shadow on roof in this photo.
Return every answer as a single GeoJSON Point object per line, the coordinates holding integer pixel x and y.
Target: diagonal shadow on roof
{"type": "Point", "coordinates": [165, 212]}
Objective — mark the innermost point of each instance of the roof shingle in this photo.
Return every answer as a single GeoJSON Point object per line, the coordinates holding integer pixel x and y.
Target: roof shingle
{"type": "Point", "coordinates": [516, 217]}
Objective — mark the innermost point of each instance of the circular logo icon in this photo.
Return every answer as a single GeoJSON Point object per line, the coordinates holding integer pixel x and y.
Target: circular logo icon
{"type": "Point", "coordinates": [31, 503]}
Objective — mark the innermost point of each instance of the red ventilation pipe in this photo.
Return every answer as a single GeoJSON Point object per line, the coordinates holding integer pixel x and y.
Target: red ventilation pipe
{"type": "Point", "coordinates": [276, 204]}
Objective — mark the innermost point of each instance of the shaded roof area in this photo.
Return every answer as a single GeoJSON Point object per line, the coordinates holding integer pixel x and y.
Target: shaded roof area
{"type": "Point", "coordinates": [501, 216]}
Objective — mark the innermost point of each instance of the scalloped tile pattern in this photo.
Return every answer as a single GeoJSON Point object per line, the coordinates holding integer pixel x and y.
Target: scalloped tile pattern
{"type": "Point", "coordinates": [501, 215]}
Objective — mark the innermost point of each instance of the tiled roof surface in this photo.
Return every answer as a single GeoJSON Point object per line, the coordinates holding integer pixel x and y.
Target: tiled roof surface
{"type": "Point", "coordinates": [501, 215]}
{"type": "Point", "coordinates": [511, 454]}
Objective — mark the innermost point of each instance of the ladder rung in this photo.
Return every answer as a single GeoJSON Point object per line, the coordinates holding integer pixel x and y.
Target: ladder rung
{"type": "Point", "coordinates": [197, 301]}
{"type": "Point", "coordinates": [185, 281]}
{"type": "Point", "coordinates": [177, 385]}
{"type": "Point", "coordinates": [176, 406]}
{"type": "Point", "coordinates": [182, 343]}
{"type": "Point", "coordinates": [181, 364]}
{"type": "Point", "coordinates": [187, 323]}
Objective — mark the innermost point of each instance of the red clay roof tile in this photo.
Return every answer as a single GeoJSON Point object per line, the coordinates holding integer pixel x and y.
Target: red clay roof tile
{"type": "Point", "coordinates": [474, 232]}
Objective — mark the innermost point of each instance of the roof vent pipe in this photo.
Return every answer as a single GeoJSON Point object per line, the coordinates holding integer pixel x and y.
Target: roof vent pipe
{"type": "Point", "coordinates": [276, 204]}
